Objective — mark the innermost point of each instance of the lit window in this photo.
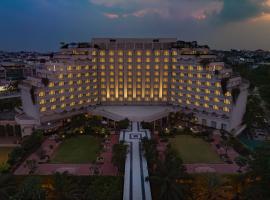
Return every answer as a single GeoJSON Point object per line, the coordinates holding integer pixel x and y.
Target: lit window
{"type": "Point", "coordinates": [206, 98]}
{"type": "Point", "coordinates": [228, 94]}
{"type": "Point", "coordinates": [216, 100]}
{"type": "Point", "coordinates": [52, 92]}
{"type": "Point", "coordinates": [208, 76]}
{"type": "Point", "coordinates": [62, 98]}
{"type": "Point", "coordinates": [70, 82]}
{"type": "Point", "coordinates": [120, 53]}
{"type": "Point", "coordinates": [111, 53]}
{"type": "Point", "coordinates": [42, 94]}
{"type": "Point", "coordinates": [43, 109]}
{"type": "Point", "coordinates": [53, 107]}
{"type": "Point", "coordinates": [42, 101]}
{"type": "Point", "coordinates": [148, 53]}
{"type": "Point", "coordinates": [51, 84]}
{"type": "Point", "coordinates": [226, 109]}
{"type": "Point", "coordinates": [63, 105]}
{"type": "Point", "coordinates": [69, 68]}
{"type": "Point", "coordinates": [217, 92]}
{"type": "Point", "coordinates": [174, 53]}
{"type": "Point", "coordinates": [130, 53]}
{"type": "Point", "coordinates": [157, 53]}
{"type": "Point", "coordinates": [206, 105]}
{"type": "Point", "coordinates": [166, 53]}
{"type": "Point", "coordinates": [215, 107]}
{"type": "Point", "coordinates": [227, 101]}
{"type": "Point", "coordinates": [111, 60]}
{"type": "Point", "coordinates": [61, 91]}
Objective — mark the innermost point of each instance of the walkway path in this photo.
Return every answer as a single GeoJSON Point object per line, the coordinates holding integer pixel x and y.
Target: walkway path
{"type": "Point", "coordinates": [135, 186]}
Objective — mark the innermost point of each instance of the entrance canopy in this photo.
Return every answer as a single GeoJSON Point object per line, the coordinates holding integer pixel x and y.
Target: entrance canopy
{"type": "Point", "coordinates": [133, 113]}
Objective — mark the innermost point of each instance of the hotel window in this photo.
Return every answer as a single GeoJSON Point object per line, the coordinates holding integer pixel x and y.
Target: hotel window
{"type": "Point", "coordinates": [63, 105]}
{"type": "Point", "coordinates": [215, 107]}
{"type": "Point", "coordinates": [218, 84]}
{"type": "Point", "coordinates": [52, 92]}
{"type": "Point", "coordinates": [43, 109]}
{"type": "Point", "coordinates": [41, 94]}
{"type": "Point", "coordinates": [94, 53]}
{"type": "Point", "coordinates": [111, 60]}
{"type": "Point", "coordinates": [182, 67]}
{"type": "Point", "coordinates": [197, 103]}
{"type": "Point", "coordinates": [70, 75]}
{"type": "Point", "coordinates": [139, 53]}
{"type": "Point", "coordinates": [166, 53]}
{"type": "Point", "coordinates": [102, 67]}
{"type": "Point", "coordinates": [190, 75]}
{"type": "Point", "coordinates": [86, 74]}
{"type": "Point", "coordinates": [81, 102]}
{"type": "Point", "coordinates": [111, 73]}
{"type": "Point", "coordinates": [139, 73]}
{"type": "Point", "coordinates": [61, 91]}
{"type": "Point", "coordinates": [208, 76]}
{"type": "Point", "coordinates": [53, 107]}
{"type": "Point", "coordinates": [148, 53]}
{"type": "Point", "coordinates": [70, 82]}
{"type": "Point", "coordinates": [206, 105]}
{"type": "Point", "coordinates": [197, 96]}
{"type": "Point", "coordinates": [206, 98]}
{"type": "Point", "coordinates": [227, 101]}
{"type": "Point", "coordinates": [61, 83]}
{"type": "Point", "coordinates": [51, 84]}
{"type": "Point", "coordinates": [129, 66]}
{"type": "Point", "coordinates": [52, 100]}
{"type": "Point", "coordinates": [190, 67]}
{"type": "Point", "coordinates": [139, 67]}
{"type": "Point", "coordinates": [182, 74]}
{"type": "Point", "coordinates": [174, 60]}
{"type": "Point", "coordinates": [147, 67]}
{"type": "Point", "coordinates": [78, 68]}
{"type": "Point", "coordinates": [120, 67]}
{"type": "Point", "coordinates": [207, 91]}
{"type": "Point", "coordinates": [111, 53]}
{"type": "Point", "coordinates": [189, 82]}
{"type": "Point", "coordinates": [189, 88]}
{"type": "Point", "coordinates": [129, 60]}
{"type": "Point", "coordinates": [111, 67]}
{"type": "Point", "coordinates": [226, 109]}
{"type": "Point", "coordinates": [80, 95]}
{"type": "Point", "coordinates": [69, 68]}
{"type": "Point", "coordinates": [156, 73]}
{"type": "Point", "coordinates": [208, 83]}
{"type": "Point", "coordinates": [157, 53]}
{"type": "Point", "coordinates": [42, 101]}
{"type": "Point", "coordinates": [199, 75]}
{"type": "Point", "coordinates": [148, 60]}
{"type": "Point", "coordinates": [199, 68]}
{"type": "Point", "coordinates": [129, 53]}
{"type": "Point", "coordinates": [86, 67]}
{"type": "Point", "coordinates": [198, 82]}
{"type": "Point", "coordinates": [62, 98]}
{"type": "Point", "coordinates": [198, 89]}
{"type": "Point", "coordinates": [216, 100]}
{"type": "Point", "coordinates": [217, 92]}
{"type": "Point", "coordinates": [72, 103]}
{"type": "Point", "coordinates": [120, 60]}
{"type": "Point", "coordinates": [79, 75]}
{"type": "Point", "coordinates": [188, 102]}
{"type": "Point", "coordinates": [71, 89]}
{"type": "Point", "coordinates": [88, 88]}
{"type": "Point", "coordinates": [166, 60]}
{"type": "Point", "coordinates": [71, 96]}
{"type": "Point", "coordinates": [227, 94]}
{"type": "Point", "coordinates": [102, 53]}
{"type": "Point", "coordinates": [120, 53]}
{"type": "Point", "coordinates": [174, 53]}
{"type": "Point", "coordinates": [157, 60]}
{"type": "Point", "coordinates": [166, 67]}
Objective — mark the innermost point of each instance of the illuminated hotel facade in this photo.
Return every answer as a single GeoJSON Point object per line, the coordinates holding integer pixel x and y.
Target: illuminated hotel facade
{"type": "Point", "coordinates": [162, 71]}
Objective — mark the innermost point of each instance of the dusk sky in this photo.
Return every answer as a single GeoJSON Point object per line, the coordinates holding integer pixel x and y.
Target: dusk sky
{"type": "Point", "coordinates": [223, 24]}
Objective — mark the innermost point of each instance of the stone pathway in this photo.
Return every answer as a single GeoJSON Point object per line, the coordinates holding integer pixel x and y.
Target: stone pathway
{"type": "Point", "coordinates": [136, 171]}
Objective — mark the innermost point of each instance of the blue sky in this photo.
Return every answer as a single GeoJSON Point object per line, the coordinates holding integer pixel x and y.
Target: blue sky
{"type": "Point", "coordinates": [223, 24]}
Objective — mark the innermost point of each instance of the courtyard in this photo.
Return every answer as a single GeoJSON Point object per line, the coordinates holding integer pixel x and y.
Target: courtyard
{"type": "Point", "coordinates": [4, 151]}
{"type": "Point", "coordinates": [75, 150]}
{"type": "Point", "coordinates": [194, 150]}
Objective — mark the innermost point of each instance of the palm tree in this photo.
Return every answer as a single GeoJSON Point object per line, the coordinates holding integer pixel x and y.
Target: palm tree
{"type": "Point", "coordinates": [119, 156]}
{"type": "Point", "coordinates": [7, 186]}
{"type": "Point", "coordinates": [169, 177]}
{"type": "Point", "coordinates": [65, 187]}
{"type": "Point", "coordinates": [150, 151]}
{"type": "Point", "coordinates": [208, 187]}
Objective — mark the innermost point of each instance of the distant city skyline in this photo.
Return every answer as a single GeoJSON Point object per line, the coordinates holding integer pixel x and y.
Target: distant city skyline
{"type": "Point", "coordinates": [40, 25]}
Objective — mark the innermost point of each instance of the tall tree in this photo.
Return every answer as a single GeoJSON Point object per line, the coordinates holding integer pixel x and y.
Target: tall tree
{"type": "Point", "coordinates": [119, 156]}
{"type": "Point", "coordinates": [31, 189]}
{"type": "Point", "coordinates": [7, 186]}
{"type": "Point", "coordinates": [258, 187]}
{"type": "Point", "coordinates": [170, 177]}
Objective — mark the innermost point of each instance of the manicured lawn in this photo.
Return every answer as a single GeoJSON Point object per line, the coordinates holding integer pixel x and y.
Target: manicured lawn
{"type": "Point", "coordinates": [4, 151]}
{"type": "Point", "coordinates": [194, 150]}
{"type": "Point", "coordinates": [80, 149]}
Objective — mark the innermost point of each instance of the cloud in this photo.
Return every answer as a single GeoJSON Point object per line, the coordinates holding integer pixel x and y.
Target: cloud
{"type": "Point", "coordinates": [221, 11]}
{"type": "Point", "coordinates": [111, 15]}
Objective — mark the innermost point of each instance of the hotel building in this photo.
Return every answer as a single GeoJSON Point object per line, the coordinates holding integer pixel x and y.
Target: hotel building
{"type": "Point", "coordinates": [122, 71]}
